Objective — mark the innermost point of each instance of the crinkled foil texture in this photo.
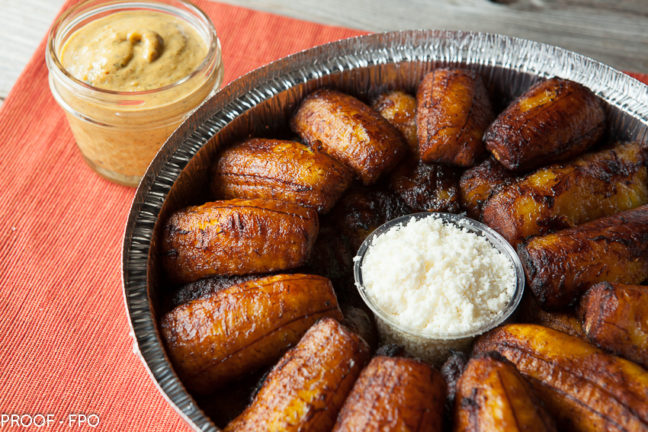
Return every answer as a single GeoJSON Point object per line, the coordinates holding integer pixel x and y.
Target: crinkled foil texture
{"type": "Point", "coordinates": [259, 104]}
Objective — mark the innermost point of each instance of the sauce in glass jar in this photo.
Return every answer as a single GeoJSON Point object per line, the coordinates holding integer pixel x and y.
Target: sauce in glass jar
{"type": "Point", "coordinates": [127, 74]}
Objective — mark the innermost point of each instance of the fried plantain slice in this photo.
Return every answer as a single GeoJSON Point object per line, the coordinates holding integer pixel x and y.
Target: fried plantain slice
{"type": "Point", "coordinates": [615, 317]}
{"type": "Point", "coordinates": [426, 187]}
{"type": "Point", "coordinates": [237, 330]}
{"type": "Point", "coordinates": [477, 183]}
{"type": "Point", "coordinates": [564, 321]}
{"type": "Point", "coordinates": [493, 396]}
{"type": "Point", "coordinates": [350, 132]}
{"type": "Point", "coordinates": [204, 287]}
{"type": "Point", "coordinates": [360, 322]}
{"type": "Point", "coordinates": [281, 170]}
{"type": "Point", "coordinates": [306, 389]}
{"type": "Point", "coordinates": [452, 113]}
{"type": "Point", "coordinates": [394, 393]}
{"type": "Point", "coordinates": [237, 237]}
{"type": "Point", "coordinates": [451, 371]}
{"type": "Point", "coordinates": [361, 210]}
{"type": "Point", "coordinates": [399, 109]}
{"type": "Point", "coordinates": [565, 195]}
{"type": "Point", "coordinates": [553, 121]}
{"type": "Point", "coordinates": [584, 388]}
{"type": "Point", "coordinates": [561, 266]}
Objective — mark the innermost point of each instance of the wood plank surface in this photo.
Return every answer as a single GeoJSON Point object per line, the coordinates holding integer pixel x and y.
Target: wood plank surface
{"type": "Point", "coordinates": [23, 24]}
{"type": "Point", "coordinates": [612, 31]}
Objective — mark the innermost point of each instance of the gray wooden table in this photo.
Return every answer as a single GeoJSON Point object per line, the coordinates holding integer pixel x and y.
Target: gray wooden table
{"type": "Point", "coordinates": [612, 31]}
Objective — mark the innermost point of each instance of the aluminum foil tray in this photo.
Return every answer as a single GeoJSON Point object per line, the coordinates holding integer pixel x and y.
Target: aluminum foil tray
{"type": "Point", "coordinates": [259, 104]}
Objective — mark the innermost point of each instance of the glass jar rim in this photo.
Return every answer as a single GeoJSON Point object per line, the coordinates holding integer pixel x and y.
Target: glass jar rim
{"type": "Point", "coordinates": [54, 62]}
{"type": "Point", "coordinates": [459, 220]}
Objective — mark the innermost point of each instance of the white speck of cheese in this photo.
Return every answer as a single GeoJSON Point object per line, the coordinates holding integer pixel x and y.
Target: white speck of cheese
{"type": "Point", "coordinates": [436, 279]}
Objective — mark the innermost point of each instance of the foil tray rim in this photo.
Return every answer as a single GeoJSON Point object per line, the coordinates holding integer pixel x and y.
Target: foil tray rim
{"type": "Point", "coordinates": [453, 47]}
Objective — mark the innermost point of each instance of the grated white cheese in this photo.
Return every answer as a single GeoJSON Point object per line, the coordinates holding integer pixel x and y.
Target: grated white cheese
{"type": "Point", "coordinates": [434, 278]}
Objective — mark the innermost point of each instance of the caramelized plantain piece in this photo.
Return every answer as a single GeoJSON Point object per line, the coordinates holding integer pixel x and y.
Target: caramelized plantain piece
{"type": "Point", "coordinates": [204, 287]}
{"type": "Point", "coordinates": [559, 267]}
{"type": "Point", "coordinates": [237, 330]}
{"type": "Point", "coordinates": [452, 113]}
{"type": "Point", "coordinates": [584, 388]}
{"type": "Point", "coordinates": [493, 396]}
{"type": "Point", "coordinates": [426, 187]}
{"type": "Point", "coordinates": [451, 371]}
{"type": "Point", "coordinates": [615, 317]}
{"type": "Point", "coordinates": [282, 170]}
{"type": "Point", "coordinates": [237, 237]}
{"type": "Point", "coordinates": [394, 393]}
{"type": "Point", "coordinates": [306, 389]}
{"type": "Point", "coordinates": [562, 196]}
{"type": "Point", "coordinates": [399, 109]}
{"type": "Point", "coordinates": [477, 183]}
{"type": "Point", "coordinates": [553, 121]}
{"type": "Point", "coordinates": [564, 321]}
{"type": "Point", "coordinates": [349, 131]}
{"type": "Point", "coordinates": [362, 210]}
{"type": "Point", "coordinates": [360, 322]}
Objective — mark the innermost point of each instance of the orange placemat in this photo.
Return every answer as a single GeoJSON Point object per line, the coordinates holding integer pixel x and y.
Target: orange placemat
{"type": "Point", "coordinates": [65, 346]}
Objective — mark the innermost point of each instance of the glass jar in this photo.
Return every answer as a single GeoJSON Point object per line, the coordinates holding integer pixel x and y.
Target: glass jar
{"type": "Point", "coordinates": [119, 132]}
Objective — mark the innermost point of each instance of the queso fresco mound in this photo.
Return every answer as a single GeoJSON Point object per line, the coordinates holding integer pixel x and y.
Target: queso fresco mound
{"type": "Point", "coordinates": [449, 280]}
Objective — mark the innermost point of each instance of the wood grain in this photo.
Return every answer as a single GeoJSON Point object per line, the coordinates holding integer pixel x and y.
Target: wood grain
{"type": "Point", "coordinates": [612, 31]}
{"type": "Point", "coordinates": [23, 24]}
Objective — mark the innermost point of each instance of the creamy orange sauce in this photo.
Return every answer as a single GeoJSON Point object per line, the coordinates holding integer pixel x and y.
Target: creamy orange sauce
{"type": "Point", "coordinates": [133, 51]}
